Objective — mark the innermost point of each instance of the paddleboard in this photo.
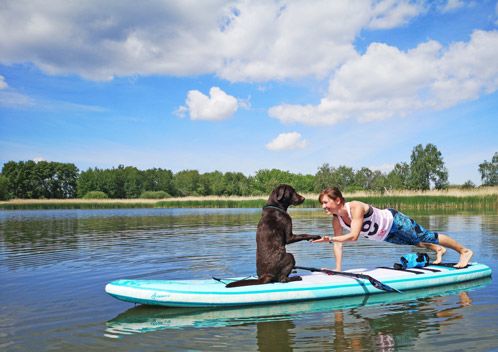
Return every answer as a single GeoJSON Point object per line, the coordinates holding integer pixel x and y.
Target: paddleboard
{"type": "Point", "coordinates": [144, 319]}
{"type": "Point", "coordinates": [213, 293]}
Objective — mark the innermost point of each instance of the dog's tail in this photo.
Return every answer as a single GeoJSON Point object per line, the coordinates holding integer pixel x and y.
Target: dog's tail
{"type": "Point", "coordinates": [245, 282]}
{"type": "Point", "coordinates": [263, 279]}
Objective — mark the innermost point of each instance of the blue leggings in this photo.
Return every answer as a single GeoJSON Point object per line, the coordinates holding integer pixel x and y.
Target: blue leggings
{"type": "Point", "coordinates": [406, 231]}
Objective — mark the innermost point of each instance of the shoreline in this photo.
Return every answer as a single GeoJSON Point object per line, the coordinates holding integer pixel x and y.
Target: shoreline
{"type": "Point", "coordinates": [480, 198]}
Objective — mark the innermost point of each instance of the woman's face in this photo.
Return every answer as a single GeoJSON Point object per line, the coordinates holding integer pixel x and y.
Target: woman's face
{"type": "Point", "coordinates": [330, 205]}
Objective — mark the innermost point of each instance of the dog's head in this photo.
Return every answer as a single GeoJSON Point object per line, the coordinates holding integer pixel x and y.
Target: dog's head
{"type": "Point", "coordinates": [285, 196]}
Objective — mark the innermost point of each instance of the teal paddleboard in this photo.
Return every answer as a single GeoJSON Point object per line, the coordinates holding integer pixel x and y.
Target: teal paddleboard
{"type": "Point", "coordinates": [315, 286]}
{"type": "Point", "coordinates": [143, 319]}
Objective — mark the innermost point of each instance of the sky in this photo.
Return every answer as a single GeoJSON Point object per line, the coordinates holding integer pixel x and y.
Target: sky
{"type": "Point", "coordinates": [242, 86]}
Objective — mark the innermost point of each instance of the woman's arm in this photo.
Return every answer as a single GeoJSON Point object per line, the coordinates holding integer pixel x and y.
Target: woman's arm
{"type": "Point", "coordinates": [357, 212]}
{"type": "Point", "coordinates": [337, 246]}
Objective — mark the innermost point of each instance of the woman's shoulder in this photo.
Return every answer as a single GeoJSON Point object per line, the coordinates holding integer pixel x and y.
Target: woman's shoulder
{"type": "Point", "coordinates": [356, 204]}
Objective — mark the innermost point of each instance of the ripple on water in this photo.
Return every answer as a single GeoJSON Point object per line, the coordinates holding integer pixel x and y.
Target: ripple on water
{"type": "Point", "coordinates": [55, 264]}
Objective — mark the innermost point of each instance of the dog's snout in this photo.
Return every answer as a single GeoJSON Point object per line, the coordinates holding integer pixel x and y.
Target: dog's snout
{"type": "Point", "coordinates": [299, 199]}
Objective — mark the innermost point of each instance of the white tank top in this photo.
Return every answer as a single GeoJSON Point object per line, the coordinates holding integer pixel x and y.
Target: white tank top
{"type": "Point", "coordinates": [376, 223]}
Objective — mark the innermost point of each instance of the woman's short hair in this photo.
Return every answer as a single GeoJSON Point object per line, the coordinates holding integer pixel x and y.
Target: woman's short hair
{"type": "Point", "coordinates": [332, 193]}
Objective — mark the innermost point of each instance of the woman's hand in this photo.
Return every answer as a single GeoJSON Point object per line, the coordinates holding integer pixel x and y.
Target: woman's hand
{"type": "Point", "coordinates": [327, 239]}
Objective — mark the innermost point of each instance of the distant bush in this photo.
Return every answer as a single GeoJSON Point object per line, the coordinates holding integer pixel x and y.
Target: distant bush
{"type": "Point", "coordinates": [468, 185]}
{"type": "Point", "coordinates": [95, 195]}
{"type": "Point", "coordinates": [155, 195]}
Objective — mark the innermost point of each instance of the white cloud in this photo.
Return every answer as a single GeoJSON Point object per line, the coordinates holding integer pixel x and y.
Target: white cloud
{"type": "Point", "coordinates": [452, 5]}
{"type": "Point", "coordinates": [271, 40]}
{"type": "Point", "coordinates": [12, 99]}
{"type": "Point", "coordinates": [467, 70]}
{"type": "Point", "coordinates": [384, 168]}
{"type": "Point", "coordinates": [393, 13]}
{"type": "Point", "coordinates": [3, 84]}
{"type": "Point", "coordinates": [181, 111]}
{"type": "Point", "coordinates": [287, 141]}
{"type": "Point", "coordinates": [217, 106]}
{"type": "Point", "coordinates": [496, 13]}
{"type": "Point", "coordinates": [238, 41]}
{"type": "Point", "coordinates": [101, 40]}
{"type": "Point", "coordinates": [38, 159]}
{"type": "Point", "coordinates": [386, 82]}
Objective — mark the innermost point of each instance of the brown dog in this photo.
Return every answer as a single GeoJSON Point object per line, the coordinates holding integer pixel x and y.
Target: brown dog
{"type": "Point", "coordinates": [274, 231]}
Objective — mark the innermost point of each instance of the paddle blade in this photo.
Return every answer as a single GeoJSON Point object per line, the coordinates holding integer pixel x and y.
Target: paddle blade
{"type": "Point", "coordinates": [379, 285]}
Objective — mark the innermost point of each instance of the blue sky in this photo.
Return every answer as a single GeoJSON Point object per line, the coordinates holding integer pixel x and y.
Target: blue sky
{"type": "Point", "coordinates": [249, 85]}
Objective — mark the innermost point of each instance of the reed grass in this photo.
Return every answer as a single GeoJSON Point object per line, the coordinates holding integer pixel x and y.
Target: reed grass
{"type": "Point", "coordinates": [213, 203]}
{"type": "Point", "coordinates": [91, 204]}
{"type": "Point", "coordinates": [397, 202]}
{"type": "Point", "coordinates": [433, 202]}
{"type": "Point", "coordinates": [454, 192]}
{"type": "Point", "coordinates": [481, 198]}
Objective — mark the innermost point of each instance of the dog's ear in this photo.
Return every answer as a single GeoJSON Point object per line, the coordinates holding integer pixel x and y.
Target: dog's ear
{"type": "Point", "coordinates": [281, 192]}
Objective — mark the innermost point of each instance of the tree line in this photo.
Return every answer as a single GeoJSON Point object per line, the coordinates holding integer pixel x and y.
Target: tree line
{"type": "Point", "coordinates": [46, 180]}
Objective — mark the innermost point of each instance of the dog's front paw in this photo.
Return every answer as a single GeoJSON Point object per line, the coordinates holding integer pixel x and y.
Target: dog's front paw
{"type": "Point", "coordinates": [315, 237]}
{"type": "Point", "coordinates": [294, 278]}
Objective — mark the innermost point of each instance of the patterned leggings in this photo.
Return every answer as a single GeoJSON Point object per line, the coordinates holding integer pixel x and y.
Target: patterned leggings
{"type": "Point", "coordinates": [406, 231]}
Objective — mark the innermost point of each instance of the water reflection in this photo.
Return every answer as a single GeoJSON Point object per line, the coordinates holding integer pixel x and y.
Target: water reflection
{"type": "Point", "coordinates": [275, 336]}
{"type": "Point", "coordinates": [487, 235]}
{"type": "Point", "coordinates": [56, 263]}
{"type": "Point", "coordinates": [59, 236]}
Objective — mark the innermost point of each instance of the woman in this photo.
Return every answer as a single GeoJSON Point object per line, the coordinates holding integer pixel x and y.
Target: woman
{"type": "Point", "coordinates": [387, 225]}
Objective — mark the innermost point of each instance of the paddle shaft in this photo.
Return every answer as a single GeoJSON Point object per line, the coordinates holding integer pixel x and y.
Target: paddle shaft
{"type": "Point", "coordinates": [376, 283]}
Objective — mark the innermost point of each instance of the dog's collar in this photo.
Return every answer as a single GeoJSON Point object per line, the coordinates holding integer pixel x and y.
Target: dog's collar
{"type": "Point", "coordinates": [275, 207]}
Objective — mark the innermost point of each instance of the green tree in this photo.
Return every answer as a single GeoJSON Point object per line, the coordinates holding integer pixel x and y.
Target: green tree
{"type": "Point", "coordinates": [41, 180]}
{"type": "Point", "coordinates": [133, 181]}
{"type": "Point", "coordinates": [342, 177]}
{"type": "Point", "coordinates": [380, 182]}
{"type": "Point", "coordinates": [213, 183]}
{"type": "Point", "coordinates": [303, 183]}
{"type": "Point", "coordinates": [21, 180]}
{"type": "Point", "coordinates": [363, 179]}
{"type": "Point", "coordinates": [187, 183]}
{"type": "Point", "coordinates": [158, 180]}
{"type": "Point", "coordinates": [427, 168]}
{"type": "Point", "coordinates": [489, 171]}
{"type": "Point", "coordinates": [4, 188]}
{"type": "Point", "coordinates": [110, 181]}
{"type": "Point", "coordinates": [116, 182]}
{"type": "Point", "coordinates": [265, 180]}
{"type": "Point", "coordinates": [399, 177]}
{"type": "Point", "coordinates": [88, 181]}
{"type": "Point", "coordinates": [65, 179]}
{"type": "Point", "coordinates": [324, 177]}
{"type": "Point", "coordinates": [236, 184]}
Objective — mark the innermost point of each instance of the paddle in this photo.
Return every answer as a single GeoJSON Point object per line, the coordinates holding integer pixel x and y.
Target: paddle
{"type": "Point", "coordinates": [375, 283]}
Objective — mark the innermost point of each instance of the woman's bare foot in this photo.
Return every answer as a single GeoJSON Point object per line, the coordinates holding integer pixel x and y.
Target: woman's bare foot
{"type": "Point", "coordinates": [439, 255]}
{"type": "Point", "coordinates": [464, 258]}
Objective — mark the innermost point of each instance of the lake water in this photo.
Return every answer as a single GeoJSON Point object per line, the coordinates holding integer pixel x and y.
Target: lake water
{"type": "Point", "coordinates": [54, 266]}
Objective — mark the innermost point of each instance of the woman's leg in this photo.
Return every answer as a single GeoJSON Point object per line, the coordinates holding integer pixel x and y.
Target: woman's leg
{"type": "Point", "coordinates": [407, 231]}
{"type": "Point", "coordinates": [465, 253]}
{"type": "Point", "coordinates": [438, 249]}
